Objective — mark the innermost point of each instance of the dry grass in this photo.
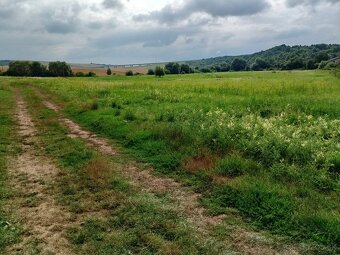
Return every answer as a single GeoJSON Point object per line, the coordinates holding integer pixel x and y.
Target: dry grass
{"type": "Point", "coordinates": [99, 169]}
{"type": "Point", "coordinates": [118, 71]}
{"type": "Point", "coordinates": [205, 160]}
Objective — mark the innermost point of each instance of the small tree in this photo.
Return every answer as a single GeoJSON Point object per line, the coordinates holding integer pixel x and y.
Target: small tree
{"type": "Point", "coordinates": [91, 74]}
{"type": "Point", "coordinates": [159, 71]}
{"type": "Point", "coordinates": [109, 71]}
{"type": "Point", "coordinates": [151, 72]}
{"type": "Point", "coordinates": [129, 73]}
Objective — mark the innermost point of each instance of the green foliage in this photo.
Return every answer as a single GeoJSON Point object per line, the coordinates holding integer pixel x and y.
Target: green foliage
{"type": "Point", "coordinates": [159, 71]}
{"type": "Point", "coordinates": [235, 165]}
{"type": "Point", "coordinates": [280, 57]}
{"type": "Point", "coordinates": [260, 65]}
{"type": "Point", "coordinates": [151, 72]}
{"type": "Point", "coordinates": [185, 69]}
{"type": "Point", "coordinates": [173, 68]}
{"type": "Point", "coordinates": [38, 70]}
{"type": "Point", "coordinates": [129, 73]}
{"type": "Point", "coordinates": [59, 69]}
{"type": "Point", "coordinates": [109, 71]}
{"type": "Point", "coordinates": [19, 68]}
{"type": "Point", "coordinates": [9, 232]}
{"type": "Point", "coordinates": [79, 74]}
{"type": "Point", "coordinates": [130, 116]}
{"type": "Point", "coordinates": [258, 201]}
{"type": "Point", "coordinates": [91, 74]}
{"type": "Point", "coordinates": [238, 64]}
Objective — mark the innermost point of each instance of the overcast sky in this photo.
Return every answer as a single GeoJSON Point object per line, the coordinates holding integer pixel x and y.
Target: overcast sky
{"type": "Point", "coordinates": [138, 31]}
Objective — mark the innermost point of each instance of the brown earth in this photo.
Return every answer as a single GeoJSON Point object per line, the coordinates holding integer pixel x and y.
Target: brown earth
{"type": "Point", "coordinates": [118, 70]}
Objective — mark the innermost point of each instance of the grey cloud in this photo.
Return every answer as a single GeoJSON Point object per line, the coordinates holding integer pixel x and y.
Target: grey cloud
{"type": "Point", "coordinates": [61, 27]}
{"type": "Point", "coordinates": [63, 20]}
{"type": "Point", "coordinates": [215, 8]}
{"type": "Point", "coordinates": [113, 4]}
{"type": "Point", "coordinates": [293, 3]}
{"type": "Point", "coordinates": [222, 8]}
{"type": "Point", "coordinates": [156, 37]}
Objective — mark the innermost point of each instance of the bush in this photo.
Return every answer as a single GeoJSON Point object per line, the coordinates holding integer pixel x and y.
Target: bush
{"type": "Point", "coordinates": [205, 70]}
{"type": "Point", "coordinates": [129, 73]}
{"type": "Point", "coordinates": [94, 105]}
{"type": "Point", "coordinates": [129, 116]}
{"type": "Point", "coordinates": [79, 74]}
{"type": "Point", "coordinates": [91, 74]}
{"type": "Point", "coordinates": [159, 71]}
{"type": "Point", "coordinates": [151, 72]}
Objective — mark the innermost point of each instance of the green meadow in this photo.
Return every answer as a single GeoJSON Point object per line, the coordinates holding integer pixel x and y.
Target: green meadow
{"type": "Point", "coordinates": [266, 144]}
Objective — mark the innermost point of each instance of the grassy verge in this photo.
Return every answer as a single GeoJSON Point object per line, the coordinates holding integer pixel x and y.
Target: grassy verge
{"type": "Point", "coordinates": [9, 233]}
{"type": "Point", "coordinates": [118, 218]}
{"type": "Point", "coordinates": [264, 143]}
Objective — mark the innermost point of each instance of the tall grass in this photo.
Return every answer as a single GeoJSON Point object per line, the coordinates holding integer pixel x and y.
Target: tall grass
{"type": "Point", "coordinates": [9, 233]}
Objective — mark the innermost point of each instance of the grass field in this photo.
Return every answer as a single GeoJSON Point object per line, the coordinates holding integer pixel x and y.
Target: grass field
{"type": "Point", "coordinates": [264, 143]}
{"type": "Point", "coordinates": [9, 232]}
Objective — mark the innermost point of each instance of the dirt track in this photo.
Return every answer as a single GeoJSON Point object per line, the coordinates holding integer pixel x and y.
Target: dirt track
{"type": "Point", "coordinates": [32, 177]}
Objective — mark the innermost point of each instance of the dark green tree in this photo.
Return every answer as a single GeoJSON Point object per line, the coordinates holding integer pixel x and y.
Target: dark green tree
{"type": "Point", "coordinates": [109, 71]}
{"type": "Point", "coordinates": [260, 65]}
{"type": "Point", "coordinates": [38, 70]}
{"type": "Point", "coordinates": [151, 72]}
{"type": "Point", "coordinates": [19, 68]}
{"type": "Point", "coordinates": [238, 64]}
{"type": "Point", "coordinates": [294, 63]}
{"type": "Point", "coordinates": [322, 56]}
{"type": "Point", "coordinates": [59, 69]}
{"type": "Point", "coordinates": [159, 71]}
{"type": "Point", "coordinates": [129, 73]}
{"type": "Point", "coordinates": [311, 64]}
{"type": "Point", "coordinates": [173, 68]}
{"type": "Point", "coordinates": [185, 68]}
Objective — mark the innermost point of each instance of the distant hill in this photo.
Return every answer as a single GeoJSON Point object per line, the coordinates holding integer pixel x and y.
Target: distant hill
{"type": "Point", "coordinates": [279, 57]}
{"type": "Point", "coordinates": [4, 62]}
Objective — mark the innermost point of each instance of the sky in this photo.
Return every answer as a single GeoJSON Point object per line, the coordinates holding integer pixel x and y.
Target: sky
{"type": "Point", "coordinates": [144, 31]}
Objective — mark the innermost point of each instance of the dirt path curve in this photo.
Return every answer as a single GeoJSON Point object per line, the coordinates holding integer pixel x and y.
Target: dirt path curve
{"type": "Point", "coordinates": [247, 242]}
{"type": "Point", "coordinates": [32, 176]}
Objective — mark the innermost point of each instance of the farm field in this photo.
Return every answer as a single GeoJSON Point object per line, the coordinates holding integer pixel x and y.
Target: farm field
{"type": "Point", "coordinates": [262, 149]}
{"type": "Point", "coordinates": [115, 70]}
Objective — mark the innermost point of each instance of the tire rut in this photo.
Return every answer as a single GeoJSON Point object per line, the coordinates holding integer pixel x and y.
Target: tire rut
{"type": "Point", "coordinates": [187, 201]}
{"type": "Point", "coordinates": [32, 176]}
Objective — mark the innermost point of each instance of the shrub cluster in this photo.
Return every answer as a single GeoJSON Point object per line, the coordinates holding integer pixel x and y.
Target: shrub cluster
{"type": "Point", "coordinates": [36, 69]}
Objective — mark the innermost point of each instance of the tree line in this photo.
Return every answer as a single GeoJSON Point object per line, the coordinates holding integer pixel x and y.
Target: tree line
{"type": "Point", "coordinates": [281, 57]}
{"type": "Point", "coordinates": [37, 69]}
